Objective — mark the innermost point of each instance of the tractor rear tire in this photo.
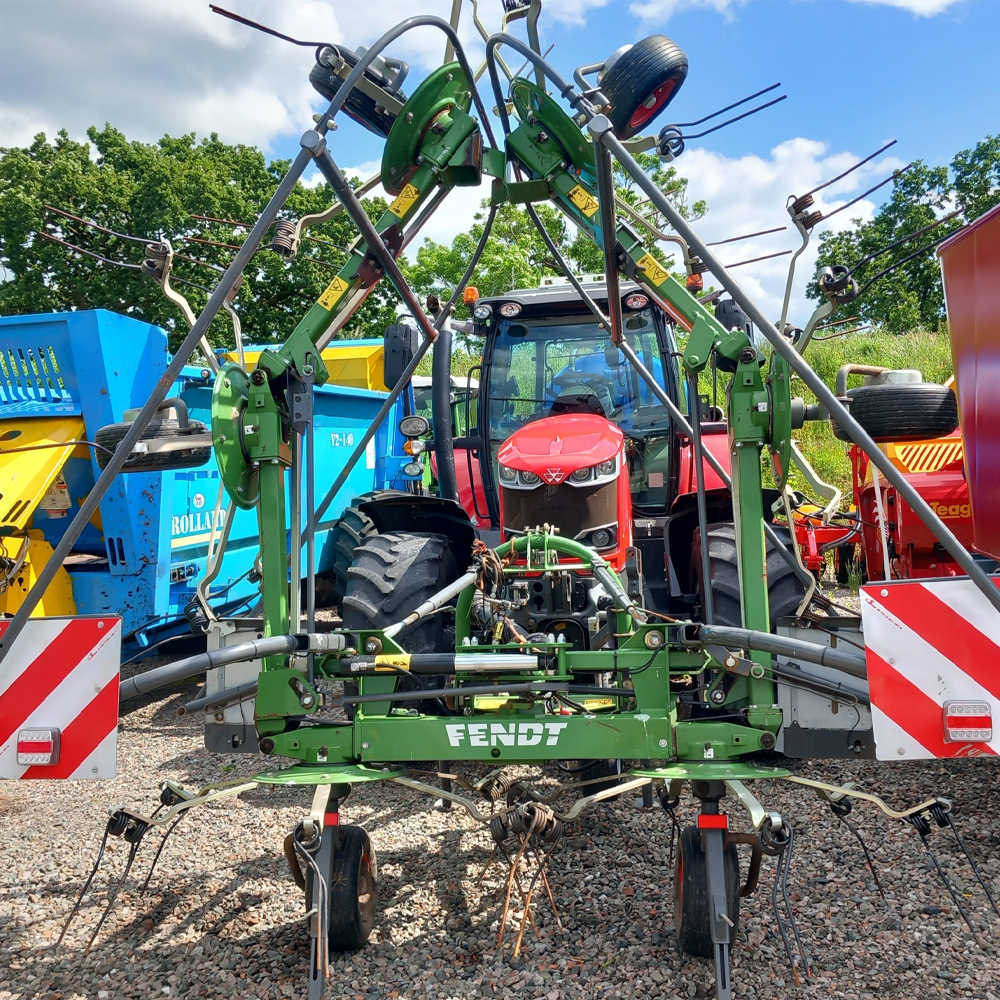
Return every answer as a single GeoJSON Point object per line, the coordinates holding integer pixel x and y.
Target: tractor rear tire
{"type": "Point", "coordinates": [642, 82]}
{"type": "Point", "coordinates": [393, 574]}
{"type": "Point", "coordinates": [784, 589]}
{"type": "Point", "coordinates": [348, 533]}
{"type": "Point", "coordinates": [353, 879]}
{"type": "Point", "coordinates": [692, 905]}
{"type": "Point", "coordinates": [902, 412]}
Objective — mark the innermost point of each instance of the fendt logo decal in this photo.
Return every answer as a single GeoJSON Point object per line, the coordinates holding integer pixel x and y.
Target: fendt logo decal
{"type": "Point", "coordinates": [554, 476]}
{"type": "Point", "coordinates": [512, 734]}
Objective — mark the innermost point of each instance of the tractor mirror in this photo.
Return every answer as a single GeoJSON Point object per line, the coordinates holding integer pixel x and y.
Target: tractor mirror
{"type": "Point", "coordinates": [399, 344]}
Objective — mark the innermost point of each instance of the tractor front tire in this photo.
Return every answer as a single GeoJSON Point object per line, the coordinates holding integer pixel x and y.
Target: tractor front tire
{"type": "Point", "coordinates": [784, 589]}
{"type": "Point", "coordinates": [391, 576]}
{"type": "Point", "coordinates": [909, 411]}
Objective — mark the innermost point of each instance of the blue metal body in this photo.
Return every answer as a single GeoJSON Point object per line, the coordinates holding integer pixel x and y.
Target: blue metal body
{"type": "Point", "coordinates": [143, 557]}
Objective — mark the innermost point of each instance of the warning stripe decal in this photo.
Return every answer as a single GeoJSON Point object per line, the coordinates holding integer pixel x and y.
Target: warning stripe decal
{"type": "Point", "coordinates": [949, 632]}
{"type": "Point", "coordinates": [912, 710]}
{"type": "Point", "coordinates": [929, 457]}
{"type": "Point", "coordinates": [82, 736]}
{"type": "Point", "coordinates": [47, 670]}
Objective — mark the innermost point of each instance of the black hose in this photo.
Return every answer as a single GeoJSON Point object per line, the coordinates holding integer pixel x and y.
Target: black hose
{"type": "Point", "coordinates": [170, 673]}
{"type": "Point", "coordinates": [444, 432]}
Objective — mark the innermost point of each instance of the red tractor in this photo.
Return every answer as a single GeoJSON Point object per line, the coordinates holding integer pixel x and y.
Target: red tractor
{"type": "Point", "coordinates": [569, 435]}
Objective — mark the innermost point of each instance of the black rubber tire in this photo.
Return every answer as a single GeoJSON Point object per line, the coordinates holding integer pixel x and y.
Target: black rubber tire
{"type": "Point", "coordinates": [903, 412]}
{"type": "Point", "coordinates": [599, 775]}
{"type": "Point", "coordinates": [359, 106]}
{"type": "Point", "coordinates": [635, 77]}
{"type": "Point", "coordinates": [392, 574]}
{"type": "Point", "coordinates": [349, 532]}
{"type": "Point", "coordinates": [353, 889]}
{"type": "Point", "coordinates": [784, 589]}
{"type": "Point", "coordinates": [692, 910]}
{"type": "Point", "coordinates": [111, 435]}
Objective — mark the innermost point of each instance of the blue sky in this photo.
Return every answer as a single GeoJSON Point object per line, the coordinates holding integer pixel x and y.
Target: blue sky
{"type": "Point", "coordinates": [856, 72]}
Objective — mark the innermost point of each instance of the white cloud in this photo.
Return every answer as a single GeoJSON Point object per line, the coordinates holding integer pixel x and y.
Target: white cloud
{"type": "Point", "coordinates": [151, 69]}
{"type": "Point", "coordinates": [660, 11]}
{"type": "Point", "coordinates": [749, 193]}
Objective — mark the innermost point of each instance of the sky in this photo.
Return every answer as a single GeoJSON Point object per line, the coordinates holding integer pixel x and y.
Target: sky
{"type": "Point", "coordinates": [857, 74]}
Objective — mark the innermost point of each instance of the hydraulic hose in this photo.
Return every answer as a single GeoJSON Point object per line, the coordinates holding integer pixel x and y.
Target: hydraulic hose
{"type": "Point", "coordinates": [851, 663]}
{"type": "Point", "coordinates": [171, 673]}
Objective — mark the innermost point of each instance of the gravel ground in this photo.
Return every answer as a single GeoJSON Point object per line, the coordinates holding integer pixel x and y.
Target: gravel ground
{"type": "Point", "coordinates": [223, 918]}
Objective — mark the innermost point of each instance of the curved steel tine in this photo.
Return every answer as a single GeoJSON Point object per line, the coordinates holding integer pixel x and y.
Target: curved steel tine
{"type": "Point", "coordinates": [108, 830]}
{"type": "Point", "coordinates": [159, 851]}
{"type": "Point", "coordinates": [972, 863]}
{"type": "Point", "coordinates": [136, 839]}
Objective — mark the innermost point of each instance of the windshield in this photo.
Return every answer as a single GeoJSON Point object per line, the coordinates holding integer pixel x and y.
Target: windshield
{"type": "Point", "coordinates": [541, 369]}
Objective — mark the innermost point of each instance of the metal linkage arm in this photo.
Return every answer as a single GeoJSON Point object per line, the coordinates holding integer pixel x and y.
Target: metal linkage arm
{"type": "Point", "coordinates": [802, 368]}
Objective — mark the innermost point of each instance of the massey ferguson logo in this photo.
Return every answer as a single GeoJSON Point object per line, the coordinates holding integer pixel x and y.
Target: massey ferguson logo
{"type": "Point", "coordinates": [505, 734]}
{"type": "Point", "coordinates": [554, 476]}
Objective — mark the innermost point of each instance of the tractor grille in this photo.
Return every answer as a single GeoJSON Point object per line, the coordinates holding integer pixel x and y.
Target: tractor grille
{"type": "Point", "coordinates": [571, 509]}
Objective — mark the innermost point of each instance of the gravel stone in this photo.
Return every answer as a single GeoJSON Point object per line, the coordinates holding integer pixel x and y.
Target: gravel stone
{"type": "Point", "coordinates": [222, 917]}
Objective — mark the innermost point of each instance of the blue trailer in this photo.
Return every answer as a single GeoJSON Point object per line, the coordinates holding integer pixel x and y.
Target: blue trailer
{"type": "Point", "coordinates": [65, 375]}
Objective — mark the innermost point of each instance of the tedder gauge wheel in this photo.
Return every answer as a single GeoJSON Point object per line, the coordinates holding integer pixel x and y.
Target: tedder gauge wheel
{"type": "Point", "coordinates": [641, 83]}
{"type": "Point", "coordinates": [362, 107]}
{"type": "Point", "coordinates": [692, 907]}
{"type": "Point", "coordinates": [599, 775]}
{"type": "Point", "coordinates": [784, 589]}
{"type": "Point", "coordinates": [151, 460]}
{"type": "Point", "coordinates": [353, 889]}
{"type": "Point", "coordinates": [906, 411]}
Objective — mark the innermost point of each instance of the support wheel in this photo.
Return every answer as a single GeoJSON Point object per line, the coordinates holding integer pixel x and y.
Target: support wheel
{"type": "Point", "coordinates": [599, 775]}
{"type": "Point", "coordinates": [902, 412]}
{"type": "Point", "coordinates": [353, 889]}
{"type": "Point", "coordinates": [641, 83]}
{"type": "Point", "coordinates": [692, 907]}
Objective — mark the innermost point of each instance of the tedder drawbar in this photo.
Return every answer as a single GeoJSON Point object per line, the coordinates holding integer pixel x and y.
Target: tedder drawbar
{"type": "Point", "coordinates": [540, 641]}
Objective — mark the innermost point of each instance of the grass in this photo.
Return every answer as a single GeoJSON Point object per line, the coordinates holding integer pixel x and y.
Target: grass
{"type": "Point", "coordinates": [928, 352]}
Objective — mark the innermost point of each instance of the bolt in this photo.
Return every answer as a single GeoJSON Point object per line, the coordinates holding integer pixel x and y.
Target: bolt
{"type": "Point", "coordinates": [748, 355]}
{"type": "Point", "coordinates": [364, 746]}
{"type": "Point", "coordinates": [767, 741]}
{"type": "Point", "coordinates": [901, 751]}
{"type": "Point", "coordinates": [94, 770]}
{"type": "Point", "coordinates": [885, 593]}
{"type": "Point", "coordinates": [219, 717]}
{"type": "Point", "coordinates": [100, 624]}
{"type": "Point", "coordinates": [495, 752]}
{"type": "Point", "coordinates": [222, 438]}
{"type": "Point", "coordinates": [718, 696]}
{"type": "Point", "coordinates": [331, 125]}
{"type": "Point", "coordinates": [307, 700]}
{"type": "Point", "coordinates": [663, 744]}
{"type": "Point", "coordinates": [266, 745]}
{"type": "Point", "coordinates": [409, 118]}
{"type": "Point", "coordinates": [372, 645]}
{"type": "Point", "coordinates": [449, 77]}
{"type": "Point", "coordinates": [307, 369]}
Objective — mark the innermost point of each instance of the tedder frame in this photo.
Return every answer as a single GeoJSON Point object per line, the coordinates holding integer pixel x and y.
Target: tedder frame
{"type": "Point", "coordinates": [620, 702]}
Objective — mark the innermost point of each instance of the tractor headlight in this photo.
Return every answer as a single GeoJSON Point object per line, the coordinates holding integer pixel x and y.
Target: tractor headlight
{"type": "Point", "coordinates": [483, 312]}
{"type": "Point", "coordinates": [530, 479]}
{"type": "Point", "coordinates": [594, 475]}
{"type": "Point", "coordinates": [510, 309]}
{"type": "Point", "coordinates": [507, 475]}
{"type": "Point", "coordinates": [601, 538]}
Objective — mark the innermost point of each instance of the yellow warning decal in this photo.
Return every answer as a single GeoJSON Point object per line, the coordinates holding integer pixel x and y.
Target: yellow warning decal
{"type": "Point", "coordinates": [584, 200]}
{"type": "Point", "coordinates": [392, 661]}
{"type": "Point", "coordinates": [404, 201]}
{"type": "Point", "coordinates": [334, 292]}
{"type": "Point", "coordinates": [652, 268]}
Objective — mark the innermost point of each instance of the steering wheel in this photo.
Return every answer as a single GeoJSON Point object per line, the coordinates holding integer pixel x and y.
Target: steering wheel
{"type": "Point", "coordinates": [581, 378]}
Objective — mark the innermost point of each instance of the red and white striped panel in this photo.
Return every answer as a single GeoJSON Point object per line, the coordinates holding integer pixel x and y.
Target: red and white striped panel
{"type": "Point", "coordinates": [933, 651]}
{"type": "Point", "coordinates": [62, 673]}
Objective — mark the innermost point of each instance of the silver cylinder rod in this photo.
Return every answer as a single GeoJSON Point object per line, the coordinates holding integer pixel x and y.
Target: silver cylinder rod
{"type": "Point", "coordinates": [432, 604]}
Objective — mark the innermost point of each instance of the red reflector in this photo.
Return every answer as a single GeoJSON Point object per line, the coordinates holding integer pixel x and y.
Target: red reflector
{"type": "Point", "coordinates": [968, 721]}
{"type": "Point", "coordinates": [37, 746]}
{"type": "Point", "coordinates": [713, 821]}
{"type": "Point", "coordinates": [331, 819]}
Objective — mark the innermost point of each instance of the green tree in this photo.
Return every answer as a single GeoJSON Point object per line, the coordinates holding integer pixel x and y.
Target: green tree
{"type": "Point", "coordinates": [515, 255]}
{"type": "Point", "coordinates": [152, 190]}
{"type": "Point", "coordinates": [910, 297]}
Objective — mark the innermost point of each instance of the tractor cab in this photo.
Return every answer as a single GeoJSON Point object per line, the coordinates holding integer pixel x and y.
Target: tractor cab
{"type": "Point", "coordinates": [570, 435]}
